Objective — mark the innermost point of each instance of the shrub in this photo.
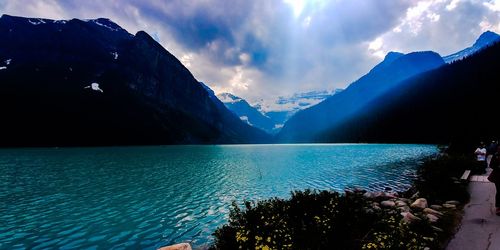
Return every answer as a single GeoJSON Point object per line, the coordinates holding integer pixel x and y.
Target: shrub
{"type": "Point", "coordinates": [328, 220]}
{"type": "Point", "coordinates": [438, 179]}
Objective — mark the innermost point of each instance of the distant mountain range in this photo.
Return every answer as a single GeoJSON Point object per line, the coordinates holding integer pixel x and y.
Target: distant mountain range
{"type": "Point", "coordinates": [408, 98]}
{"type": "Point", "coordinates": [247, 113]}
{"type": "Point", "coordinates": [486, 39]}
{"type": "Point", "coordinates": [271, 115]}
{"type": "Point", "coordinates": [90, 82]}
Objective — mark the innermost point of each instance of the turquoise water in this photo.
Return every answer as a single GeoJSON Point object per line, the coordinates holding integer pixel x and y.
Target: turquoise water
{"type": "Point", "coordinates": [147, 197]}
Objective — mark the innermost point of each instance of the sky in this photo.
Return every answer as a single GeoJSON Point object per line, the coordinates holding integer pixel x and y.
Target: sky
{"type": "Point", "coordinates": [261, 49]}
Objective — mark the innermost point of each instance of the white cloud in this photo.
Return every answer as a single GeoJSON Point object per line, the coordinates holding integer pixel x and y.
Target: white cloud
{"type": "Point", "coordinates": [452, 5]}
{"type": "Point", "coordinates": [186, 59]}
{"type": "Point", "coordinates": [493, 5]}
{"type": "Point", "coordinates": [376, 44]}
{"type": "Point", "coordinates": [245, 58]}
{"type": "Point", "coordinates": [306, 22]}
{"type": "Point", "coordinates": [433, 17]}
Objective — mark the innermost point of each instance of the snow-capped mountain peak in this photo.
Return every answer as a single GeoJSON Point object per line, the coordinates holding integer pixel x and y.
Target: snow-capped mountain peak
{"type": "Point", "coordinates": [486, 39]}
{"type": "Point", "coordinates": [228, 98]}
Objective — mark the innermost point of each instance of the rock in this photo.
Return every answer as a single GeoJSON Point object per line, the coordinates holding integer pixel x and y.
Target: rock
{"type": "Point", "coordinates": [436, 207]}
{"type": "Point", "coordinates": [400, 203]}
{"type": "Point", "coordinates": [437, 229]}
{"type": "Point", "coordinates": [369, 195]}
{"type": "Point", "coordinates": [407, 201]}
{"type": "Point", "coordinates": [388, 204]}
{"type": "Point", "coordinates": [420, 203]}
{"type": "Point", "coordinates": [432, 211]}
{"type": "Point", "coordinates": [379, 195]}
{"type": "Point", "coordinates": [453, 203]}
{"type": "Point", "coordinates": [409, 217]}
{"type": "Point", "coordinates": [404, 209]}
{"type": "Point", "coordinates": [449, 206]}
{"type": "Point", "coordinates": [432, 218]}
{"type": "Point", "coordinates": [181, 246]}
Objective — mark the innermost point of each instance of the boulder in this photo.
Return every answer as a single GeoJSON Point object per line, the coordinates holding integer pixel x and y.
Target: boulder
{"type": "Point", "coordinates": [369, 195]}
{"type": "Point", "coordinates": [400, 203]}
{"type": "Point", "coordinates": [432, 218]}
{"type": "Point", "coordinates": [181, 246]}
{"type": "Point", "coordinates": [388, 203]}
{"type": "Point", "coordinates": [376, 206]}
{"type": "Point", "coordinates": [419, 203]}
{"type": "Point", "coordinates": [409, 217]}
{"type": "Point", "coordinates": [404, 209]}
{"type": "Point", "coordinates": [449, 206]}
{"type": "Point", "coordinates": [436, 207]}
{"type": "Point", "coordinates": [407, 201]}
{"type": "Point", "coordinates": [432, 211]}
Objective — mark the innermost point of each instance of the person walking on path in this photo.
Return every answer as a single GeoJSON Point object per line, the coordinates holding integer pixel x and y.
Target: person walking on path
{"type": "Point", "coordinates": [481, 158]}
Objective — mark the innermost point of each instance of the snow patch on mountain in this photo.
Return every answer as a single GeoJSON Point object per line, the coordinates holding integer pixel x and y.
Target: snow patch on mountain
{"type": "Point", "coordinates": [94, 86]}
{"type": "Point", "coordinates": [228, 98]}
{"type": "Point", "coordinates": [245, 119]}
{"type": "Point", "coordinates": [36, 21]}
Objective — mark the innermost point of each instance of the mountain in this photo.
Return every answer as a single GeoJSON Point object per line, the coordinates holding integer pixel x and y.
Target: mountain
{"type": "Point", "coordinates": [455, 103]}
{"type": "Point", "coordinates": [282, 108]}
{"type": "Point", "coordinates": [307, 125]}
{"type": "Point", "coordinates": [247, 113]}
{"type": "Point", "coordinates": [486, 39]}
{"type": "Point", "coordinates": [90, 82]}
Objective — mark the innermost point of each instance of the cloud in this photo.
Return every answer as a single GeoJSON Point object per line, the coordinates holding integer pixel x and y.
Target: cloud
{"type": "Point", "coordinates": [444, 26]}
{"type": "Point", "coordinates": [267, 48]}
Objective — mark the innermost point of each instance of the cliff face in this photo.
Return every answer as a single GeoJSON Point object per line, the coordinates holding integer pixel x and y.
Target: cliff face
{"type": "Point", "coordinates": [143, 94]}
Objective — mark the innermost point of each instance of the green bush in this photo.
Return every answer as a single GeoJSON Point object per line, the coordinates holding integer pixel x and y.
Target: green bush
{"type": "Point", "coordinates": [309, 220]}
{"type": "Point", "coordinates": [438, 179]}
{"type": "Point", "coordinates": [328, 220]}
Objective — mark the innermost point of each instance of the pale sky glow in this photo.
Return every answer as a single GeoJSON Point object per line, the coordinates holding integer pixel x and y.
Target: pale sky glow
{"type": "Point", "coordinates": [267, 48]}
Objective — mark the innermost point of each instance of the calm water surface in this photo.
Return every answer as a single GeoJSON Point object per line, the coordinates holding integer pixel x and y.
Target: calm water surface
{"type": "Point", "coordinates": [147, 197]}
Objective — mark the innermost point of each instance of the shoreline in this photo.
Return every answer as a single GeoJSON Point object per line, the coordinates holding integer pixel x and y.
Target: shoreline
{"type": "Point", "coordinates": [412, 207]}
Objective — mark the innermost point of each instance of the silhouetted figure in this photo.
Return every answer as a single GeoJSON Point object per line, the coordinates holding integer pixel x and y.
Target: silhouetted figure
{"type": "Point", "coordinates": [481, 158]}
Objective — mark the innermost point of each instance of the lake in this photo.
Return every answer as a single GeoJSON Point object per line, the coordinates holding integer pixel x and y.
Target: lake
{"type": "Point", "coordinates": [147, 197]}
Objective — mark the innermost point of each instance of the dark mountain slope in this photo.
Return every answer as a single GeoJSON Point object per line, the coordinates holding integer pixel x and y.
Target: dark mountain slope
{"type": "Point", "coordinates": [144, 95]}
{"type": "Point", "coordinates": [455, 103]}
{"type": "Point", "coordinates": [247, 113]}
{"type": "Point", "coordinates": [306, 125]}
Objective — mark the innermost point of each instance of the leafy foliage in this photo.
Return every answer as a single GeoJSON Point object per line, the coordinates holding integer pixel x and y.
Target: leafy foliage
{"type": "Point", "coordinates": [329, 220]}
{"type": "Point", "coordinates": [438, 178]}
